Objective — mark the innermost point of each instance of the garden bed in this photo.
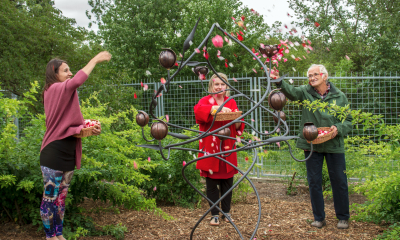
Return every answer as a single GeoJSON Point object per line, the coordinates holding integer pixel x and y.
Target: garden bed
{"type": "Point", "coordinates": [283, 217]}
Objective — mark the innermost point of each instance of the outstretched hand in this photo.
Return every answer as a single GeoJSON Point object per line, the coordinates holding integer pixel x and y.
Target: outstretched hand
{"type": "Point", "coordinates": [102, 56]}
{"type": "Point", "coordinates": [274, 73]}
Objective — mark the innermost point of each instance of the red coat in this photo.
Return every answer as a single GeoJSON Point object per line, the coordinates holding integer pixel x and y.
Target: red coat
{"type": "Point", "coordinates": [211, 144]}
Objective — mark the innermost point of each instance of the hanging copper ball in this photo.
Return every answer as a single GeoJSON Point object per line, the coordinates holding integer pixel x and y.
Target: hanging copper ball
{"type": "Point", "coordinates": [276, 100]}
{"type": "Point", "coordinates": [167, 58]}
{"type": "Point", "coordinates": [226, 132]}
{"type": "Point", "coordinates": [263, 50]}
{"type": "Point", "coordinates": [200, 70]}
{"type": "Point", "coordinates": [310, 131]}
{"type": "Point", "coordinates": [274, 49]}
{"type": "Point", "coordinates": [159, 130]}
{"type": "Point", "coordinates": [142, 118]}
{"type": "Point", "coordinates": [282, 116]}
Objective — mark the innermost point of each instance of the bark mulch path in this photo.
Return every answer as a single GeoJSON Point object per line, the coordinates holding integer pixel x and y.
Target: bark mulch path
{"type": "Point", "coordinates": [283, 217]}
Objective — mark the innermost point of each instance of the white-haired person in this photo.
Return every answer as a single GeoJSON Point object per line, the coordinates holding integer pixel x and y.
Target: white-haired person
{"type": "Point", "coordinates": [319, 88]}
{"type": "Point", "coordinates": [216, 171]}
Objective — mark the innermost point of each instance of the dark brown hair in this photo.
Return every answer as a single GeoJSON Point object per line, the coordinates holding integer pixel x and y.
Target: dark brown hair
{"type": "Point", "coordinates": [51, 73]}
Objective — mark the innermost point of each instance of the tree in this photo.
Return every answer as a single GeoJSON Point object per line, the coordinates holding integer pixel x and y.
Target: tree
{"type": "Point", "coordinates": [32, 33]}
{"type": "Point", "coordinates": [136, 31]}
{"type": "Point", "coordinates": [366, 31]}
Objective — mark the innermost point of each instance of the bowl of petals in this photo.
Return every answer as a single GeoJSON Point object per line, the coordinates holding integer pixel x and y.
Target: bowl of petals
{"type": "Point", "coordinates": [324, 134]}
{"type": "Point", "coordinates": [226, 116]}
{"type": "Point", "coordinates": [87, 130]}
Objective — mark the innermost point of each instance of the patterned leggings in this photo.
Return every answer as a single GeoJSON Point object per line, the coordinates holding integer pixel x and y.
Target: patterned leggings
{"type": "Point", "coordinates": [52, 209]}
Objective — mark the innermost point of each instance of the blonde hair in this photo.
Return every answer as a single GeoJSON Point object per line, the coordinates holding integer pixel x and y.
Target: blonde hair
{"type": "Point", "coordinates": [211, 82]}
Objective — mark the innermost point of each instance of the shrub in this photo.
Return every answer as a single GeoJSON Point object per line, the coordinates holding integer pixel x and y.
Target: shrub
{"type": "Point", "coordinates": [108, 171]}
{"type": "Point", "coordinates": [393, 233]}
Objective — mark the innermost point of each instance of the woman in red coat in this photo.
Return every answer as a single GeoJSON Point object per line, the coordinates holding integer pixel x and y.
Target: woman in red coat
{"type": "Point", "coordinates": [215, 171]}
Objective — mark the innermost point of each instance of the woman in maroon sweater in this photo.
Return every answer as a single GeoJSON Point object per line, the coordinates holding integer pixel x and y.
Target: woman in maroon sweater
{"type": "Point", "coordinates": [216, 171]}
{"type": "Point", "coordinates": [60, 151]}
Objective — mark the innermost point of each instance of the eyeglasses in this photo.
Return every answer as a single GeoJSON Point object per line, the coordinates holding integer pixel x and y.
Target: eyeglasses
{"type": "Point", "coordinates": [314, 75]}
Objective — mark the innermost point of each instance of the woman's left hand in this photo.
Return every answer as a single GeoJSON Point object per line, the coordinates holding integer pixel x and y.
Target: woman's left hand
{"type": "Point", "coordinates": [97, 129]}
{"type": "Point", "coordinates": [334, 130]}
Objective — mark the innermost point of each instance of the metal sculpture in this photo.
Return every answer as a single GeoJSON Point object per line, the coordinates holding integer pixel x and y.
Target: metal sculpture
{"type": "Point", "coordinates": [276, 100]}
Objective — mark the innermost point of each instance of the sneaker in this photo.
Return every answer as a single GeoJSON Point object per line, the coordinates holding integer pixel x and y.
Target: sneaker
{"type": "Point", "coordinates": [214, 220]}
{"type": "Point", "coordinates": [343, 224]}
{"type": "Point", "coordinates": [318, 224]}
{"type": "Point", "coordinates": [227, 218]}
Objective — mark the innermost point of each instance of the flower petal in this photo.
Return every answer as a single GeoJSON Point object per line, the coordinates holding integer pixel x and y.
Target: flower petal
{"type": "Point", "coordinates": [218, 41]}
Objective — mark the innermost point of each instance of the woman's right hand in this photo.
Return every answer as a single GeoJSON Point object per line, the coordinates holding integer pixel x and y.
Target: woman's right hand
{"type": "Point", "coordinates": [102, 56]}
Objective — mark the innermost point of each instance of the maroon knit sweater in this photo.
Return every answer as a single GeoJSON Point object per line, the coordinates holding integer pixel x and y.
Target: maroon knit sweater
{"type": "Point", "coordinates": [63, 114]}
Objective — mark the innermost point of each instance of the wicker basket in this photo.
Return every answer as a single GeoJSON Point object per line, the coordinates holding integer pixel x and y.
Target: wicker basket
{"type": "Point", "coordinates": [227, 116]}
{"type": "Point", "coordinates": [323, 138]}
{"type": "Point", "coordinates": [86, 132]}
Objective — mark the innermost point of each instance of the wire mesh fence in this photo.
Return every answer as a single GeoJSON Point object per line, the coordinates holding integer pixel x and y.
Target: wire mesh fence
{"type": "Point", "coordinates": [377, 94]}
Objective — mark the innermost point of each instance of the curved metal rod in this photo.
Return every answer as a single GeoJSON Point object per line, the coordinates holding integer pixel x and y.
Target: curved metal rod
{"type": "Point", "coordinates": [229, 153]}
{"type": "Point", "coordinates": [290, 151]}
{"type": "Point", "coordinates": [145, 136]}
{"type": "Point", "coordinates": [162, 154]}
{"type": "Point", "coordinates": [248, 145]}
{"type": "Point", "coordinates": [222, 197]}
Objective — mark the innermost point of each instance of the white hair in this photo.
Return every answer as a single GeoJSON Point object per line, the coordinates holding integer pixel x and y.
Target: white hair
{"type": "Point", "coordinates": [322, 69]}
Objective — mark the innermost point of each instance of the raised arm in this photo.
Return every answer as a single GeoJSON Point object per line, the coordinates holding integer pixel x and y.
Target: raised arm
{"type": "Point", "coordinates": [82, 75]}
{"type": "Point", "coordinates": [101, 57]}
{"type": "Point", "coordinates": [291, 92]}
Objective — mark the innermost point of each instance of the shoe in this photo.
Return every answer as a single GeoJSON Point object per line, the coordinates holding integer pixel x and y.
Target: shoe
{"type": "Point", "coordinates": [318, 224]}
{"type": "Point", "coordinates": [214, 220]}
{"type": "Point", "coordinates": [343, 224]}
{"type": "Point", "coordinates": [227, 218]}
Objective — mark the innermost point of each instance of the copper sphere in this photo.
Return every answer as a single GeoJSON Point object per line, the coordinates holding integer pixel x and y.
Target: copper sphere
{"type": "Point", "coordinates": [310, 131]}
{"type": "Point", "coordinates": [200, 70]}
{"type": "Point", "coordinates": [226, 132]}
{"type": "Point", "coordinates": [269, 50]}
{"type": "Point", "coordinates": [167, 58]}
{"type": "Point", "coordinates": [142, 118]}
{"type": "Point", "coordinates": [276, 100]}
{"type": "Point", "coordinates": [159, 130]}
{"type": "Point", "coordinates": [282, 116]}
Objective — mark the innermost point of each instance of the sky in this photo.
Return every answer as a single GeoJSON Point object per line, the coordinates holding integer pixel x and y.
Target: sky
{"type": "Point", "coordinates": [277, 10]}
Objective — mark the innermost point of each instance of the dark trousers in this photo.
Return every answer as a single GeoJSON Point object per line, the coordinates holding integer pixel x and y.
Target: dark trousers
{"type": "Point", "coordinates": [336, 167]}
{"type": "Point", "coordinates": [213, 193]}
